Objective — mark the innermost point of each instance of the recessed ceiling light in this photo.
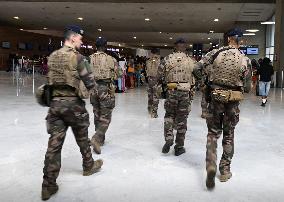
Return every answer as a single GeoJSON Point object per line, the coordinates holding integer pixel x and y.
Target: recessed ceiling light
{"type": "Point", "coordinates": [21, 29]}
{"type": "Point", "coordinates": [100, 37]}
{"type": "Point", "coordinates": [147, 19]}
{"type": "Point", "coordinates": [211, 31]}
{"type": "Point", "coordinates": [16, 17]}
{"type": "Point", "coordinates": [210, 43]}
{"type": "Point", "coordinates": [166, 45]}
{"type": "Point", "coordinates": [216, 20]}
{"type": "Point", "coordinates": [45, 28]}
{"type": "Point", "coordinates": [119, 44]}
{"type": "Point", "coordinates": [142, 45]}
{"type": "Point", "coordinates": [80, 18]}
{"type": "Point", "coordinates": [99, 30]}
{"type": "Point", "coordinates": [268, 23]}
{"type": "Point", "coordinates": [190, 45]}
{"type": "Point", "coordinates": [134, 37]}
{"type": "Point", "coordinates": [249, 34]}
{"type": "Point", "coordinates": [217, 45]}
{"type": "Point", "coordinates": [209, 38]}
{"type": "Point", "coordinates": [252, 30]}
{"type": "Point", "coordinates": [160, 32]}
{"type": "Point", "coordinates": [171, 38]}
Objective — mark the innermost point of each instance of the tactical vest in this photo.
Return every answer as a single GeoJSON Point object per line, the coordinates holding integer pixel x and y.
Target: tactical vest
{"type": "Point", "coordinates": [227, 68]}
{"type": "Point", "coordinates": [62, 66]}
{"type": "Point", "coordinates": [152, 66]}
{"type": "Point", "coordinates": [179, 67]}
{"type": "Point", "coordinates": [102, 65]}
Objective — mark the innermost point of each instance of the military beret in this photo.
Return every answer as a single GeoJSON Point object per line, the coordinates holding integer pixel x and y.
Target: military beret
{"type": "Point", "coordinates": [101, 41]}
{"type": "Point", "coordinates": [155, 51]}
{"type": "Point", "coordinates": [234, 32]}
{"type": "Point", "coordinates": [74, 28]}
{"type": "Point", "coordinates": [180, 40]}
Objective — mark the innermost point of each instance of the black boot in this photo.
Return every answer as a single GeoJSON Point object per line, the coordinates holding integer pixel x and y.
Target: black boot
{"type": "Point", "coordinates": [210, 180]}
{"type": "Point", "coordinates": [179, 150]}
{"type": "Point", "coordinates": [47, 192]}
{"type": "Point", "coordinates": [167, 146]}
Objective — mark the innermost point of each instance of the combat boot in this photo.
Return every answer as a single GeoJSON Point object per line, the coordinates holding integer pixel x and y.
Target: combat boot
{"type": "Point", "coordinates": [179, 150]}
{"type": "Point", "coordinates": [47, 192]}
{"type": "Point", "coordinates": [96, 146]}
{"type": "Point", "coordinates": [225, 177]}
{"type": "Point", "coordinates": [95, 168]}
{"type": "Point", "coordinates": [167, 146]}
{"type": "Point", "coordinates": [210, 180]}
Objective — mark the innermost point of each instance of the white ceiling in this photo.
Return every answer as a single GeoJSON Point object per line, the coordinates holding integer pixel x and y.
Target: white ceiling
{"type": "Point", "coordinates": [120, 22]}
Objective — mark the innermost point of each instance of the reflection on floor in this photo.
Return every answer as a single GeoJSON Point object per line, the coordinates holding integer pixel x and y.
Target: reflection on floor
{"type": "Point", "coordinates": [135, 169]}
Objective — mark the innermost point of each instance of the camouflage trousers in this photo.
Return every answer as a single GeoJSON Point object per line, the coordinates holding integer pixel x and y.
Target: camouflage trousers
{"type": "Point", "coordinates": [153, 100]}
{"type": "Point", "coordinates": [177, 106]}
{"type": "Point", "coordinates": [62, 114]}
{"type": "Point", "coordinates": [204, 104]}
{"type": "Point", "coordinates": [103, 104]}
{"type": "Point", "coordinates": [221, 118]}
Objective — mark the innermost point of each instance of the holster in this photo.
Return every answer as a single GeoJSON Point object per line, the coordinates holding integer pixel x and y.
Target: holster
{"type": "Point", "coordinates": [47, 95]}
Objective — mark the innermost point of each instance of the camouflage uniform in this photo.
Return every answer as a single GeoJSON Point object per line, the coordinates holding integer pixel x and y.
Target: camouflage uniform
{"type": "Point", "coordinates": [68, 70]}
{"type": "Point", "coordinates": [228, 72]}
{"type": "Point", "coordinates": [152, 70]}
{"type": "Point", "coordinates": [176, 69]}
{"type": "Point", "coordinates": [103, 100]}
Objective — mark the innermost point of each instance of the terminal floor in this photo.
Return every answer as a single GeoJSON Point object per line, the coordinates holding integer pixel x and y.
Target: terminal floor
{"type": "Point", "coordinates": [134, 168]}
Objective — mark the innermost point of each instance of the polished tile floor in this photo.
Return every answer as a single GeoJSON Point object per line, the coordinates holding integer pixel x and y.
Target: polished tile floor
{"type": "Point", "coordinates": [135, 170]}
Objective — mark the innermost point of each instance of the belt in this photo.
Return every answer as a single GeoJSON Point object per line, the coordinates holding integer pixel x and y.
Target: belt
{"type": "Point", "coordinates": [66, 98]}
{"type": "Point", "coordinates": [103, 81]}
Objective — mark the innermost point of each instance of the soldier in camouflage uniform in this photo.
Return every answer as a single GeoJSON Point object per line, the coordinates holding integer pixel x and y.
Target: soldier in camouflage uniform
{"type": "Point", "coordinates": [227, 79]}
{"type": "Point", "coordinates": [68, 74]}
{"type": "Point", "coordinates": [103, 101]}
{"type": "Point", "coordinates": [152, 65]}
{"type": "Point", "coordinates": [176, 72]}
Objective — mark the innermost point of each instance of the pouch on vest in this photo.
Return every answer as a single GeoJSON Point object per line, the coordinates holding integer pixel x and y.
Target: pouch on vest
{"type": "Point", "coordinates": [172, 86]}
{"type": "Point", "coordinates": [183, 86]}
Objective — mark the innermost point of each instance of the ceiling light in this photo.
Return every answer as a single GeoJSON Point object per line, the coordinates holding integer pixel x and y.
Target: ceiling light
{"type": "Point", "coordinates": [166, 45]}
{"type": "Point", "coordinates": [147, 19]}
{"type": "Point", "coordinates": [142, 45]}
{"type": "Point", "coordinates": [211, 31]}
{"type": "Point", "coordinates": [209, 38]}
{"type": "Point", "coordinates": [16, 17]}
{"type": "Point", "coordinates": [171, 38]}
{"type": "Point", "coordinates": [252, 30]}
{"type": "Point", "coordinates": [249, 34]}
{"type": "Point", "coordinates": [160, 32]}
{"type": "Point", "coordinates": [119, 44]}
{"type": "Point", "coordinates": [99, 30]}
{"type": "Point", "coordinates": [45, 28]}
{"type": "Point", "coordinates": [80, 18]}
{"type": "Point", "coordinates": [216, 20]}
{"type": "Point", "coordinates": [21, 29]}
{"type": "Point", "coordinates": [190, 45]}
{"type": "Point", "coordinates": [217, 45]}
{"type": "Point", "coordinates": [268, 23]}
{"type": "Point", "coordinates": [134, 37]}
{"type": "Point", "coordinates": [210, 43]}
{"type": "Point", "coordinates": [100, 37]}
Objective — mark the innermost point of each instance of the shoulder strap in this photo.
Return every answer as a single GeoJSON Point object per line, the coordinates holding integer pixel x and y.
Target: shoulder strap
{"type": "Point", "coordinates": [218, 52]}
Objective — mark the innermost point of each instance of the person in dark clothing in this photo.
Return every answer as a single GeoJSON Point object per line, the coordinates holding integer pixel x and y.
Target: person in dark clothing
{"type": "Point", "coordinates": [265, 73]}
